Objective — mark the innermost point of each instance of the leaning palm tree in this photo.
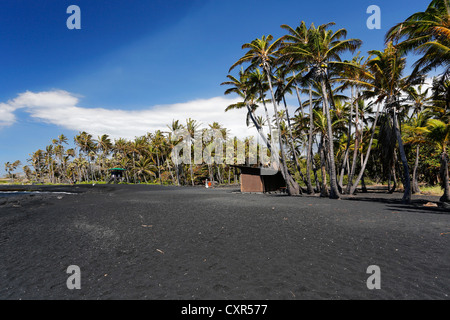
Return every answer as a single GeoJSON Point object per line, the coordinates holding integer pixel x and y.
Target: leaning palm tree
{"type": "Point", "coordinates": [285, 86]}
{"type": "Point", "coordinates": [388, 67]}
{"type": "Point", "coordinates": [10, 168]}
{"type": "Point", "coordinates": [355, 70]}
{"type": "Point", "coordinates": [319, 50]}
{"type": "Point", "coordinates": [262, 52]}
{"type": "Point", "coordinates": [244, 87]}
{"type": "Point", "coordinates": [386, 83]}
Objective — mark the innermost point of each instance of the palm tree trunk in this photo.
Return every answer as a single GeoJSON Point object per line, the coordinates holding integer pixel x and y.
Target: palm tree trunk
{"type": "Point", "coordinates": [406, 179]}
{"type": "Point", "coordinates": [349, 134]}
{"type": "Point", "coordinates": [415, 183]}
{"type": "Point", "coordinates": [170, 171]}
{"type": "Point", "coordinates": [363, 182]}
{"type": "Point", "coordinates": [393, 175]}
{"type": "Point", "coordinates": [258, 128]}
{"type": "Point", "coordinates": [334, 191]}
{"type": "Point", "coordinates": [364, 163]}
{"type": "Point", "coordinates": [159, 169]}
{"type": "Point", "coordinates": [343, 168]}
{"type": "Point", "coordinates": [298, 96]}
{"type": "Point", "coordinates": [267, 113]}
{"type": "Point", "coordinates": [292, 186]}
{"type": "Point", "coordinates": [445, 177]}
{"type": "Point", "coordinates": [309, 188]}
{"type": "Point", "coordinates": [355, 151]}
{"type": "Point", "coordinates": [323, 171]}
{"type": "Point", "coordinates": [294, 152]}
{"type": "Point", "coordinates": [192, 174]}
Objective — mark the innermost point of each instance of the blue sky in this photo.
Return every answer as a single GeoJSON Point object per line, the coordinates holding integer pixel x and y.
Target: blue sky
{"type": "Point", "coordinates": [135, 59]}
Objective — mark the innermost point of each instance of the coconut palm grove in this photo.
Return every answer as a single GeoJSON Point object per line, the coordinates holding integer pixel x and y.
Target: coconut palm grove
{"type": "Point", "coordinates": [367, 120]}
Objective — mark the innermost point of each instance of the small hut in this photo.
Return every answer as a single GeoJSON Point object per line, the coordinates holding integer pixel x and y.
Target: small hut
{"type": "Point", "coordinates": [259, 179]}
{"type": "Point", "coordinates": [116, 175]}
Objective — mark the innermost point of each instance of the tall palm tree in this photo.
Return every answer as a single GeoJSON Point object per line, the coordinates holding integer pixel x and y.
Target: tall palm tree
{"type": "Point", "coordinates": [355, 70]}
{"type": "Point", "coordinates": [319, 50]}
{"type": "Point", "coordinates": [174, 127]}
{"type": "Point", "coordinates": [284, 86]}
{"type": "Point", "coordinates": [86, 145]}
{"type": "Point", "coordinates": [414, 132]}
{"type": "Point", "coordinates": [104, 145]}
{"type": "Point", "coordinates": [244, 87]}
{"type": "Point", "coordinates": [192, 127]}
{"type": "Point", "coordinates": [386, 84]}
{"type": "Point", "coordinates": [321, 124]}
{"type": "Point", "coordinates": [299, 35]}
{"type": "Point", "coordinates": [258, 83]}
{"type": "Point", "coordinates": [37, 160]}
{"type": "Point", "coordinates": [262, 52]}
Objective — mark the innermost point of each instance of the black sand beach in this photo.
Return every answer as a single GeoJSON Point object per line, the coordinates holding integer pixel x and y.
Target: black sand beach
{"type": "Point", "coordinates": [169, 243]}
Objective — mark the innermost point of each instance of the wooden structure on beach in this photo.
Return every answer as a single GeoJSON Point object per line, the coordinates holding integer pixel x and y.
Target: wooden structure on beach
{"type": "Point", "coordinates": [258, 179]}
{"type": "Point", "coordinates": [116, 175]}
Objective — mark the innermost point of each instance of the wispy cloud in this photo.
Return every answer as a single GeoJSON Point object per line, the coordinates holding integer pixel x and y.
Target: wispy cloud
{"type": "Point", "coordinates": [62, 108]}
{"type": "Point", "coordinates": [7, 116]}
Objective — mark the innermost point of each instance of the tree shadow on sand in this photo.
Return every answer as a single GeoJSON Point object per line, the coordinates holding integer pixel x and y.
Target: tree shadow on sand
{"type": "Point", "coordinates": [427, 204]}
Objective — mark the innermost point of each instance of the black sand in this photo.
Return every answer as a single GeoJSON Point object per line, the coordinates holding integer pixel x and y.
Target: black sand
{"type": "Point", "coordinates": [150, 242]}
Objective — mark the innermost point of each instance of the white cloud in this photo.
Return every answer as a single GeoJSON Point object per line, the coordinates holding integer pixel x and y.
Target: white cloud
{"type": "Point", "coordinates": [62, 108]}
{"type": "Point", "coordinates": [7, 116]}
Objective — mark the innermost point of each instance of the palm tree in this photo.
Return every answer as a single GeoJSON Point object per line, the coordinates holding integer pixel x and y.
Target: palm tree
{"type": "Point", "coordinates": [284, 86]}
{"type": "Point", "coordinates": [415, 127]}
{"type": "Point", "coordinates": [321, 124]}
{"type": "Point", "coordinates": [10, 168]}
{"type": "Point", "coordinates": [59, 153]}
{"type": "Point", "coordinates": [135, 149]}
{"type": "Point", "coordinates": [68, 169]}
{"type": "Point", "coordinates": [441, 97]}
{"type": "Point", "coordinates": [300, 35]}
{"type": "Point", "coordinates": [439, 135]}
{"type": "Point", "coordinates": [414, 132]}
{"type": "Point", "coordinates": [104, 145]}
{"type": "Point", "coordinates": [426, 33]}
{"type": "Point", "coordinates": [354, 71]}
{"type": "Point", "coordinates": [143, 168]}
{"type": "Point", "coordinates": [386, 83]}
{"type": "Point", "coordinates": [263, 52]}
{"type": "Point", "coordinates": [86, 144]}
{"type": "Point", "coordinates": [28, 173]}
{"type": "Point", "coordinates": [174, 127]}
{"type": "Point", "coordinates": [319, 50]}
{"type": "Point", "coordinates": [192, 127]}
{"type": "Point", "coordinates": [244, 87]}
{"type": "Point", "coordinates": [37, 160]}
